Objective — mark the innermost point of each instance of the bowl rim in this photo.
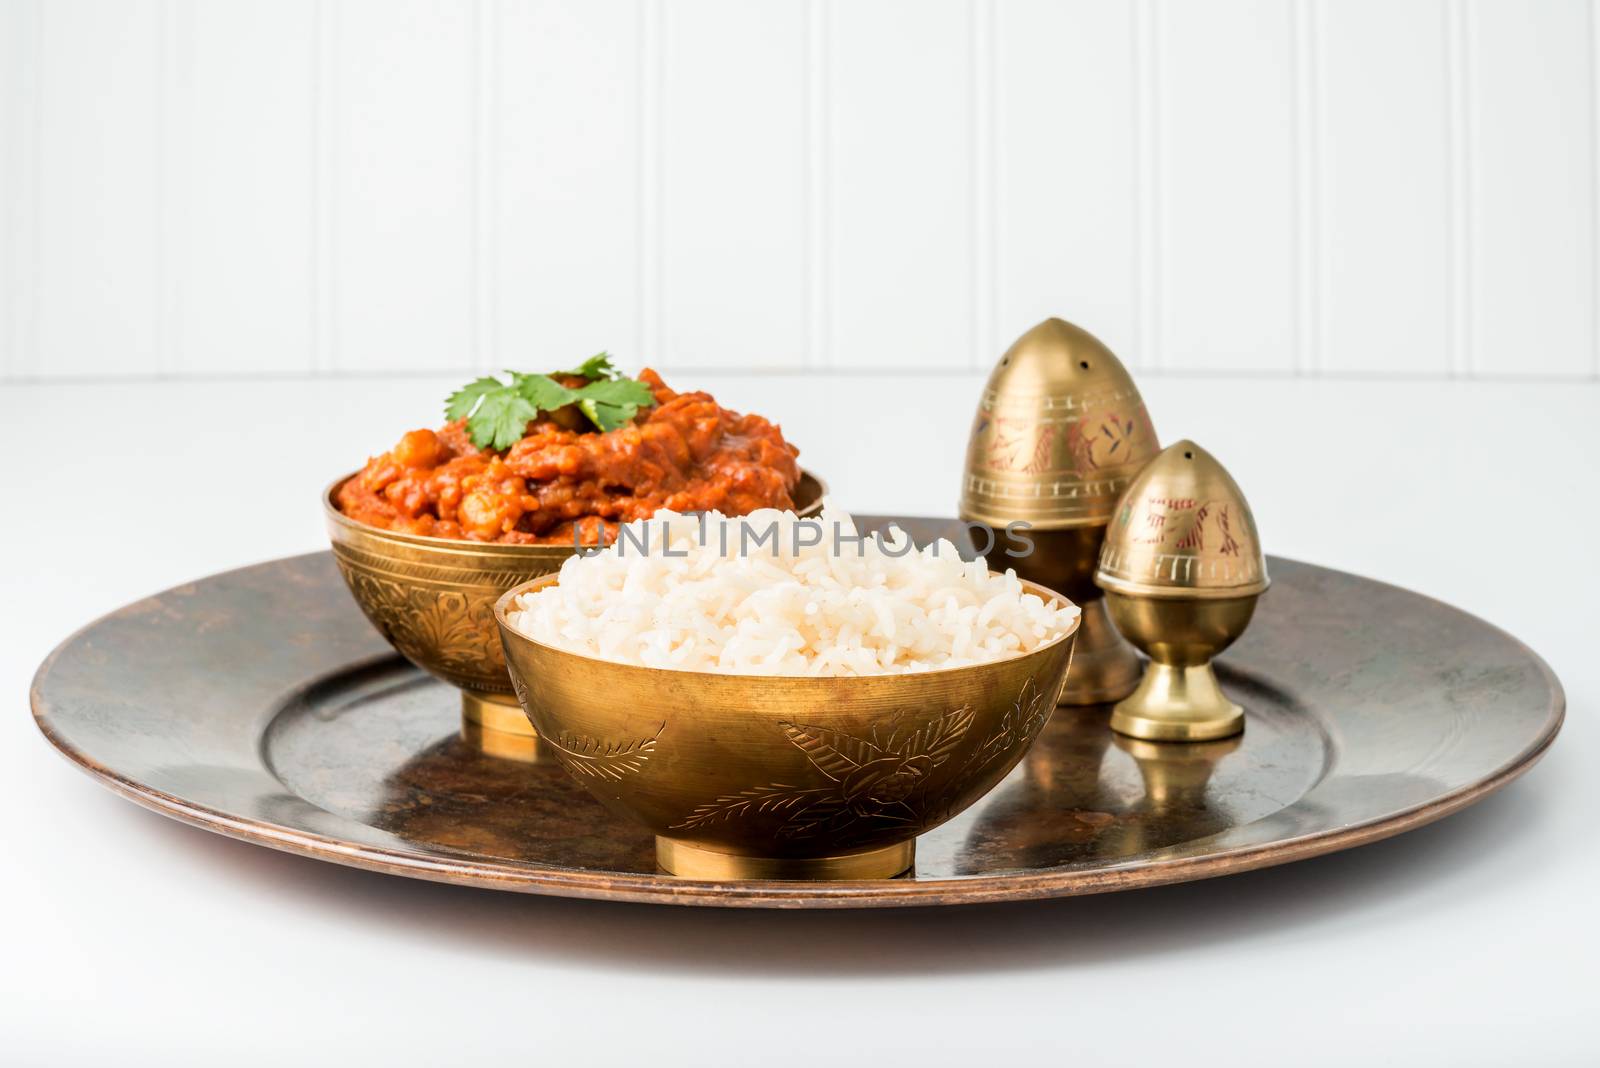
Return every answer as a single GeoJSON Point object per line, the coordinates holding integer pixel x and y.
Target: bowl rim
{"type": "Point", "coordinates": [331, 512]}
{"type": "Point", "coordinates": [508, 632]}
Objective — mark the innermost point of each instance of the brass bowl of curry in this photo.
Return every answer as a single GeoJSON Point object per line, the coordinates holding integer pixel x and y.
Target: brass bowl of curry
{"type": "Point", "coordinates": [429, 535]}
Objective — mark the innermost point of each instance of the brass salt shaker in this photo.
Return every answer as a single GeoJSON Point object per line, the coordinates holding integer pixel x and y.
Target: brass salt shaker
{"type": "Point", "coordinates": [1182, 569]}
{"type": "Point", "coordinates": [1061, 430]}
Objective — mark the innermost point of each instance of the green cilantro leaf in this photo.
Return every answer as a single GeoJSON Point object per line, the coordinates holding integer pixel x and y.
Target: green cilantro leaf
{"type": "Point", "coordinates": [501, 420]}
{"type": "Point", "coordinates": [596, 366]}
{"type": "Point", "coordinates": [613, 403]}
{"type": "Point", "coordinates": [462, 401]}
{"type": "Point", "coordinates": [542, 391]}
{"type": "Point", "coordinates": [498, 413]}
{"type": "Point", "coordinates": [620, 391]}
{"type": "Point", "coordinates": [606, 416]}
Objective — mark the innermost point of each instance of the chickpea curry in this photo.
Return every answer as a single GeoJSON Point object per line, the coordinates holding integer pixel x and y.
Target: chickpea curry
{"type": "Point", "coordinates": [563, 473]}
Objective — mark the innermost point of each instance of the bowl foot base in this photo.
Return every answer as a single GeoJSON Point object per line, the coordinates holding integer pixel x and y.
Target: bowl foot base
{"type": "Point", "coordinates": [696, 862]}
{"type": "Point", "coordinates": [1104, 666]}
{"type": "Point", "coordinates": [1178, 704]}
{"type": "Point", "coordinates": [496, 725]}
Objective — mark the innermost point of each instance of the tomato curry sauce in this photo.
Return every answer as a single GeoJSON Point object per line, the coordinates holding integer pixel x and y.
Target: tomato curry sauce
{"type": "Point", "coordinates": [561, 485]}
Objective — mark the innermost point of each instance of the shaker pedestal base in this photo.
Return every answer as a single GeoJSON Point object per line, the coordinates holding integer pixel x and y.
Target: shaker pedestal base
{"type": "Point", "coordinates": [1178, 704]}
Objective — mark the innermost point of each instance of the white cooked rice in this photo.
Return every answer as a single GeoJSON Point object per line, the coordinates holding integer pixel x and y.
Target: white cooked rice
{"type": "Point", "coordinates": [866, 609]}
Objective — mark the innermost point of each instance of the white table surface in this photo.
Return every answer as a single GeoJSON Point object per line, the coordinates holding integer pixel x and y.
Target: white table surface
{"type": "Point", "coordinates": [1472, 941]}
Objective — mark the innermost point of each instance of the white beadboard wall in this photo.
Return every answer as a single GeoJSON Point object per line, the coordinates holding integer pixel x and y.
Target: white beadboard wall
{"type": "Point", "coordinates": [346, 187]}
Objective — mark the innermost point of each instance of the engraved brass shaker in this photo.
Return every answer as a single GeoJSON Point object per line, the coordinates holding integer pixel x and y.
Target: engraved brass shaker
{"type": "Point", "coordinates": [1182, 568]}
{"type": "Point", "coordinates": [1060, 432]}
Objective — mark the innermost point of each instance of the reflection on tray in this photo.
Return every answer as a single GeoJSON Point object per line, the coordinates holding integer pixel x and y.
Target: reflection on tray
{"type": "Point", "coordinates": [1078, 800]}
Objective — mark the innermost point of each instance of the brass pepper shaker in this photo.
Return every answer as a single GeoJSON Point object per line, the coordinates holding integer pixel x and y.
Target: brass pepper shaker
{"type": "Point", "coordinates": [1060, 432]}
{"type": "Point", "coordinates": [1182, 569]}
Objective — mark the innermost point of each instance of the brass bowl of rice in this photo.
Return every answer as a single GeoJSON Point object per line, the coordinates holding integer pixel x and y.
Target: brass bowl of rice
{"type": "Point", "coordinates": [802, 775]}
{"type": "Point", "coordinates": [433, 600]}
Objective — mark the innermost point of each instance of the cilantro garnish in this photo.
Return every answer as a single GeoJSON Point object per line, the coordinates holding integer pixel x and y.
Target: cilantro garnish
{"type": "Point", "coordinates": [610, 403]}
{"type": "Point", "coordinates": [498, 413]}
{"type": "Point", "coordinates": [596, 366]}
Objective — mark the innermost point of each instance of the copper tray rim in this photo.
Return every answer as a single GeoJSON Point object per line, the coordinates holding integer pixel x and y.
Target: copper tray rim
{"type": "Point", "coordinates": [659, 888]}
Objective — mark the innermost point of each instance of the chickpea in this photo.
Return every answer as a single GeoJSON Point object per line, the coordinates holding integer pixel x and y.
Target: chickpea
{"type": "Point", "coordinates": [486, 514]}
{"type": "Point", "coordinates": [419, 448]}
